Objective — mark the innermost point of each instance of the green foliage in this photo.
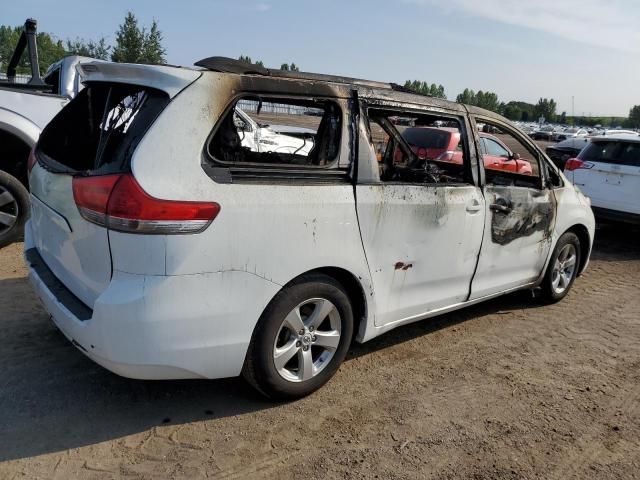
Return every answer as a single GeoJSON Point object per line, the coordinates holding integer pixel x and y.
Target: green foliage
{"type": "Point", "coordinates": [50, 50]}
{"type": "Point", "coordinates": [486, 100]}
{"type": "Point", "coordinates": [99, 49]}
{"type": "Point", "coordinates": [546, 108]}
{"type": "Point", "coordinates": [152, 51]}
{"type": "Point", "coordinates": [247, 59]}
{"type": "Point", "coordinates": [289, 68]}
{"type": "Point", "coordinates": [634, 117]}
{"type": "Point", "coordinates": [136, 45]}
{"type": "Point", "coordinates": [423, 88]}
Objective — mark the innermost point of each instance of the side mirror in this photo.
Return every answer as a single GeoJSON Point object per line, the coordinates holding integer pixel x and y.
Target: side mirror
{"type": "Point", "coordinates": [514, 156]}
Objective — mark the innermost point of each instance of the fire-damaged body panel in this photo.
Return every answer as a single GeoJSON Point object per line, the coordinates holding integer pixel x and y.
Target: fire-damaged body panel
{"type": "Point", "coordinates": [517, 238]}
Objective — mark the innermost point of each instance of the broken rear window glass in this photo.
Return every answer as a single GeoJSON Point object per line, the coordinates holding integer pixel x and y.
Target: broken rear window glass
{"type": "Point", "coordinates": [419, 148]}
{"type": "Point", "coordinates": [100, 128]}
{"type": "Point", "coordinates": [278, 132]}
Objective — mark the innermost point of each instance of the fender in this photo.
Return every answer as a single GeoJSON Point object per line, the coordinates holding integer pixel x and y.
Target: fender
{"type": "Point", "coordinates": [19, 126]}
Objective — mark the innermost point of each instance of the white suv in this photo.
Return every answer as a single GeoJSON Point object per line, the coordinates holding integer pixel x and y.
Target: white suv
{"type": "Point", "coordinates": [165, 248]}
{"type": "Point", "coordinates": [607, 170]}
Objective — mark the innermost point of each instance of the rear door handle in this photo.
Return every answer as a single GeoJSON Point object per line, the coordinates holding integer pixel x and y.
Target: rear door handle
{"type": "Point", "coordinates": [474, 207]}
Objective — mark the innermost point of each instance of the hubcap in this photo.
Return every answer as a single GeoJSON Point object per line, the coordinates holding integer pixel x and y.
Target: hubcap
{"type": "Point", "coordinates": [8, 210]}
{"type": "Point", "coordinates": [564, 268]}
{"type": "Point", "coordinates": [307, 340]}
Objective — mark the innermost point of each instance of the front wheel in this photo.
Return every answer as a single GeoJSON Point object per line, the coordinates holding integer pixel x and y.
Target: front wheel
{"type": "Point", "coordinates": [562, 269]}
{"type": "Point", "coordinates": [14, 208]}
{"type": "Point", "coordinates": [301, 338]}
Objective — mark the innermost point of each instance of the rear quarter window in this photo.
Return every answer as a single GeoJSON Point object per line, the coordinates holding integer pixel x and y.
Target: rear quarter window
{"type": "Point", "coordinates": [262, 137]}
{"type": "Point", "coordinates": [97, 132]}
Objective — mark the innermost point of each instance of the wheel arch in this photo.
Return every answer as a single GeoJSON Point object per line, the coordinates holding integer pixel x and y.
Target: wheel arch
{"type": "Point", "coordinates": [354, 289]}
{"type": "Point", "coordinates": [18, 136]}
{"type": "Point", "coordinates": [582, 233]}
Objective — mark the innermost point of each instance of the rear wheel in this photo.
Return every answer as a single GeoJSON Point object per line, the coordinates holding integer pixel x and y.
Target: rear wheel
{"type": "Point", "coordinates": [301, 338]}
{"type": "Point", "coordinates": [562, 269]}
{"type": "Point", "coordinates": [14, 208]}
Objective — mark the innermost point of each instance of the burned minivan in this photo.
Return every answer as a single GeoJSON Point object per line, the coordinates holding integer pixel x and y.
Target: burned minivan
{"type": "Point", "coordinates": [230, 219]}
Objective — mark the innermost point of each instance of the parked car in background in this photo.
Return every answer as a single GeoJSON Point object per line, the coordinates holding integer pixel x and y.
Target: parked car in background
{"type": "Point", "coordinates": [445, 145]}
{"type": "Point", "coordinates": [544, 133]}
{"type": "Point", "coordinates": [558, 136]}
{"type": "Point", "coordinates": [608, 172]}
{"type": "Point", "coordinates": [163, 248]}
{"type": "Point", "coordinates": [25, 109]}
{"type": "Point", "coordinates": [563, 151]}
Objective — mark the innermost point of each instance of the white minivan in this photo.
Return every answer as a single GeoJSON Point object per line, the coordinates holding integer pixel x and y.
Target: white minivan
{"type": "Point", "coordinates": [165, 248]}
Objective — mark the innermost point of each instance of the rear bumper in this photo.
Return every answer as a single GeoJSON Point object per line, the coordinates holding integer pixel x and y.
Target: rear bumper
{"type": "Point", "coordinates": [163, 327]}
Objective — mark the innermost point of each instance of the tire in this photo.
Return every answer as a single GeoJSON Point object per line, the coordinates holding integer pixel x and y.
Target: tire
{"type": "Point", "coordinates": [285, 364]}
{"type": "Point", "coordinates": [14, 208]}
{"type": "Point", "coordinates": [562, 269]}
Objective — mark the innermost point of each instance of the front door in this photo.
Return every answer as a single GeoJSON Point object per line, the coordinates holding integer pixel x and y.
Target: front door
{"type": "Point", "coordinates": [520, 216]}
{"type": "Point", "coordinates": [421, 216]}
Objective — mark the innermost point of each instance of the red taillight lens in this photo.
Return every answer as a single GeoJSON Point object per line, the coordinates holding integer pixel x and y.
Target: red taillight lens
{"type": "Point", "coordinates": [576, 163]}
{"type": "Point", "coordinates": [119, 203]}
{"type": "Point", "coordinates": [32, 160]}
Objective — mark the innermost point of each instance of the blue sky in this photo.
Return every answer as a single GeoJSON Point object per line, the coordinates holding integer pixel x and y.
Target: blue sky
{"type": "Point", "coordinates": [521, 49]}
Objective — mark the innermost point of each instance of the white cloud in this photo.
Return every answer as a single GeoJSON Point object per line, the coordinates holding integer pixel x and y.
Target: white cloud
{"type": "Point", "coordinates": [605, 23]}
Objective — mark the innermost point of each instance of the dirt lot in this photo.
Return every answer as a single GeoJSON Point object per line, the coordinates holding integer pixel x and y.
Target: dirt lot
{"type": "Point", "coordinates": [507, 389]}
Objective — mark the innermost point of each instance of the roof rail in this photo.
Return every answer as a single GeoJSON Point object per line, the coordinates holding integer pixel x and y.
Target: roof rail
{"type": "Point", "coordinates": [230, 65]}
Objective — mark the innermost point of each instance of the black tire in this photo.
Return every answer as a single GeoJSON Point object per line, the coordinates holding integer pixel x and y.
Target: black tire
{"type": "Point", "coordinates": [259, 367]}
{"type": "Point", "coordinates": [19, 209]}
{"type": "Point", "coordinates": [549, 293]}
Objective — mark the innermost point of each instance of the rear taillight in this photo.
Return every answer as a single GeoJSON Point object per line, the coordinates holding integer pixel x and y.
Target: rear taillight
{"type": "Point", "coordinates": [119, 203]}
{"type": "Point", "coordinates": [32, 160]}
{"type": "Point", "coordinates": [576, 163]}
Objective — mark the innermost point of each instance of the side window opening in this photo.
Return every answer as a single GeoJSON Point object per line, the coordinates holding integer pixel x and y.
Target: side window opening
{"type": "Point", "coordinates": [419, 147]}
{"type": "Point", "coordinates": [278, 132]}
{"type": "Point", "coordinates": [508, 160]}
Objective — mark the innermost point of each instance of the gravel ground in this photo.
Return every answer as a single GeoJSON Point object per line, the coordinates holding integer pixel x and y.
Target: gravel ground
{"type": "Point", "coordinates": [506, 389]}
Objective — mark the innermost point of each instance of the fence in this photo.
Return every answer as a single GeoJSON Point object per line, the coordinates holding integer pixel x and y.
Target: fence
{"type": "Point", "coordinates": [19, 78]}
{"type": "Point", "coordinates": [251, 106]}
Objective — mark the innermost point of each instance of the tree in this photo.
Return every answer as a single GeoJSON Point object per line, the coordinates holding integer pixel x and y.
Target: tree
{"type": "Point", "coordinates": [129, 41]}
{"type": "Point", "coordinates": [152, 51]}
{"type": "Point", "coordinates": [135, 45]}
{"type": "Point", "coordinates": [247, 59]}
{"type": "Point", "coordinates": [289, 68]}
{"type": "Point", "coordinates": [546, 108]}
{"type": "Point", "coordinates": [50, 49]}
{"type": "Point", "coordinates": [634, 117]}
{"type": "Point", "coordinates": [486, 100]}
{"type": "Point", "coordinates": [563, 118]}
{"type": "Point", "coordinates": [98, 49]}
{"type": "Point", "coordinates": [423, 88]}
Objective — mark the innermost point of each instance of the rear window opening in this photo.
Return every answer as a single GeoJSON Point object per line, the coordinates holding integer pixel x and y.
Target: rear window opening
{"type": "Point", "coordinates": [277, 132]}
{"type": "Point", "coordinates": [100, 128]}
{"type": "Point", "coordinates": [612, 151]}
